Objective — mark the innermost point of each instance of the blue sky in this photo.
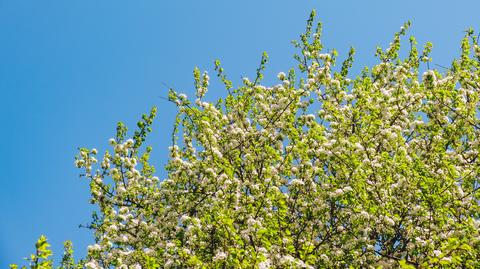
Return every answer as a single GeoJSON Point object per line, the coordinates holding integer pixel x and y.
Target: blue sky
{"type": "Point", "coordinates": [69, 70]}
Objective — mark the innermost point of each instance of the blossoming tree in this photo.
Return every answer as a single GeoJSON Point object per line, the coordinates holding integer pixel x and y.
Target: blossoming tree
{"type": "Point", "coordinates": [318, 171]}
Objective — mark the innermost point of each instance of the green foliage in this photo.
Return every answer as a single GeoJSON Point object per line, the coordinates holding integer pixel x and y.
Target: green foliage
{"type": "Point", "coordinates": [41, 258]}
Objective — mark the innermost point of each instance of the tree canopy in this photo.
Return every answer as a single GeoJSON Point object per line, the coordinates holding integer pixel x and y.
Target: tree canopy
{"type": "Point", "coordinates": [318, 171]}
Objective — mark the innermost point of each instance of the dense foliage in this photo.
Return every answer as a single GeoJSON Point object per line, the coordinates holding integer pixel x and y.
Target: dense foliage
{"type": "Point", "coordinates": [318, 171]}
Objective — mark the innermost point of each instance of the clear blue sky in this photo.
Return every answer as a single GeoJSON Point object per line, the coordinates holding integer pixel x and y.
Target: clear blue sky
{"type": "Point", "coordinates": [69, 70]}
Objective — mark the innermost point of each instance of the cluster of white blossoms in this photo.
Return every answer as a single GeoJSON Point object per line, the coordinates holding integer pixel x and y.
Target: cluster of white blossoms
{"type": "Point", "coordinates": [325, 171]}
